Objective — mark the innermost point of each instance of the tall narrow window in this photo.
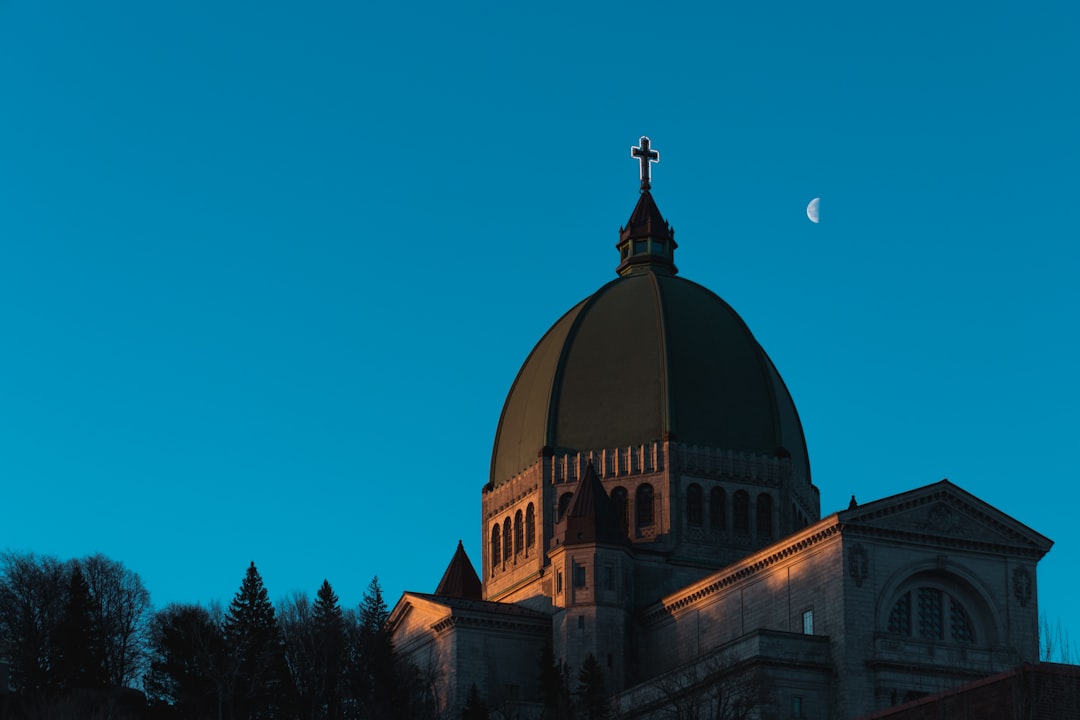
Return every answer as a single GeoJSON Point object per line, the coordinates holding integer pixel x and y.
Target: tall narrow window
{"type": "Point", "coordinates": [764, 515]}
{"type": "Point", "coordinates": [695, 499]}
{"type": "Point", "coordinates": [506, 540]}
{"type": "Point", "coordinates": [519, 534]}
{"type": "Point", "coordinates": [717, 509]}
{"type": "Point", "coordinates": [496, 549]}
{"type": "Point", "coordinates": [741, 507]}
{"type": "Point", "coordinates": [564, 505]}
{"type": "Point", "coordinates": [530, 528]}
{"type": "Point", "coordinates": [620, 503]}
{"type": "Point", "coordinates": [643, 501]}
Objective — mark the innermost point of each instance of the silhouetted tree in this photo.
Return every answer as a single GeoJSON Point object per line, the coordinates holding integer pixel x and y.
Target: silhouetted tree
{"type": "Point", "coordinates": [592, 694]}
{"type": "Point", "coordinates": [187, 662]}
{"type": "Point", "coordinates": [554, 687]}
{"type": "Point", "coordinates": [329, 652]}
{"type": "Point", "coordinates": [77, 661]}
{"type": "Point", "coordinates": [253, 644]}
{"type": "Point", "coordinates": [475, 708]}
{"type": "Point", "coordinates": [121, 609]}
{"type": "Point", "coordinates": [32, 597]}
{"type": "Point", "coordinates": [378, 684]}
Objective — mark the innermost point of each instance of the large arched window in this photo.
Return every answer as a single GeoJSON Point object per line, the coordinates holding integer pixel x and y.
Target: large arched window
{"type": "Point", "coordinates": [695, 501]}
{"type": "Point", "coordinates": [621, 504]}
{"type": "Point", "coordinates": [564, 505]}
{"type": "Point", "coordinates": [717, 509]}
{"type": "Point", "coordinates": [741, 507]}
{"type": "Point", "coordinates": [931, 613]}
{"type": "Point", "coordinates": [496, 549]}
{"type": "Point", "coordinates": [519, 534]}
{"type": "Point", "coordinates": [506, 540]}
{"type": "Point", "coordinates": [643, 502]}
{"type": "Point", "coordinates": [764, 515]}
{"type": "Point", "coordinates": [530, 528]}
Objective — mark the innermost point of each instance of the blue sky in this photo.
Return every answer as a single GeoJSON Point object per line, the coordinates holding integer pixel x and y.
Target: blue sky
{"type": "Point", "coordinates": [268, 269]}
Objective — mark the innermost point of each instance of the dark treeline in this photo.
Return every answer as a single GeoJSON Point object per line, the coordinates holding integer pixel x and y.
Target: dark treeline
{"type": "Point", "coordinates": [81, 640]}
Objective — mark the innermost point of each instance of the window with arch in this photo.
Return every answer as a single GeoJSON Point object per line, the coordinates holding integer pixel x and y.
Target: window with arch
{"type": "Point", "coordinates": [507, 538]}
{"type": "Point", "coordinates": [717, 509]}
{"type": "Point", "coordinates": [931, 613]}
{"type": "Point", "coordinates": [740, 502]}
{"type": "Point", "coordinates": [764, 515]}
{"type": "Point", "coordinates": [695, 501]}
{"type": "Point", "coordinates": [643, 502]}
{"type": "Point", "coordinates": [519, 534]}
{"type": "Point", "coordinates": [621, 504]}
{"type": "Point", "coordinates": [564, 505]}
{"type": "Point", "coordinates": [530, 528]}
{"type": "Point", "coordinates": [496, 549]}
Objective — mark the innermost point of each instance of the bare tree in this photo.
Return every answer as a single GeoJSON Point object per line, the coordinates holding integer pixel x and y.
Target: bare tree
{"type": "Point", "coordinates": [122, 614]}
{"type": "Point", "coordinates": [717, 688]}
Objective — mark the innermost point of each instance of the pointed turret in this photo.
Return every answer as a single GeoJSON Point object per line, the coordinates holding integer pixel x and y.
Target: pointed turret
{"type": "Point", "coordinates": [591, 517]}
{"type": "Point", "coordinates": [460, 579]}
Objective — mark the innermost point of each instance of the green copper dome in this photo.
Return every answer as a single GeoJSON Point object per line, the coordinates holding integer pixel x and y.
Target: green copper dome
{"type": "Point", "coordinates": [649, 355]}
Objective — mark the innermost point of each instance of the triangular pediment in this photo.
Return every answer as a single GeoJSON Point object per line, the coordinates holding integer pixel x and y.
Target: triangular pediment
{"type": "Point", "coordinates": [943, 512]}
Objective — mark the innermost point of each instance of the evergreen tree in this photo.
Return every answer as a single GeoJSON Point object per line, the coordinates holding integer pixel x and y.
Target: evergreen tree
{"type": "Point", "coordinates": [77, 656]}
{"type": "Point", "coordinates": [475, 708]}
{"type": "Point", "coordinates": [329, 634]}
{"type": "Point", "coordinates": [187, 659]}
{"type": "Point", "coordinates": [257, 663]}
{"type": "Point", "coordinates": [378, 684]}
{"type": "Point", "coordinates": [591, 691]}
{"type": "Point", "coordinates": [554, 687]}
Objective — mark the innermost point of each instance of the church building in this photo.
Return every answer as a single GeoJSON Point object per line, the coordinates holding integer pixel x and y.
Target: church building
{"type": "Point", "coordinates": [650, 504]}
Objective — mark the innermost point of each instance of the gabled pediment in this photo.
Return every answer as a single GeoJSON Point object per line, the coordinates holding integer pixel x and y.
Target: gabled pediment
{"type": "Point", "coordinates": [946, 513]}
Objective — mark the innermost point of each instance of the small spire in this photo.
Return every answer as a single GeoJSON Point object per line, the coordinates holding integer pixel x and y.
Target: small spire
{"type": "Point", "coordinates": [646, 156]}
{"type": "Point", "coordinates": [460, 579]}
{"type": "Point", "coordinates": [852, 505]}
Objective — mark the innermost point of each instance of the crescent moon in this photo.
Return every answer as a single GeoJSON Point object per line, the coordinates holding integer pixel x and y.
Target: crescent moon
{"type": "Point", "coordinates": [812, 210]}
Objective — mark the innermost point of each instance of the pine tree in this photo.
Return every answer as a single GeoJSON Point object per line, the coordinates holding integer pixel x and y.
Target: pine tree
{"type": "Point", "coordinates": [554, 687]}
{"type": "Point", "coordinates": [78, 662]}
{"type": "Point", "coordinates": [591, 690]}
{"type": "Point", "coordinates": [329, 652]}
{"type": "Point", "coordinates": [475, 708]}
{"type": "Point", "coordinates": [255, 651]}
{"type": "Point", "coordinates": [379, 687]}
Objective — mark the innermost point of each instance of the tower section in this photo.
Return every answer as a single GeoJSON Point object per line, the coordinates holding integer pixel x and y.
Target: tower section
{"type": "Point", "coordinates": [690, 430]}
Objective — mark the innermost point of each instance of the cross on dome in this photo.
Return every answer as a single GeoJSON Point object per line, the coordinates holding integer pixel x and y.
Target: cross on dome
{"type": "Point", "coordinates": [646, 156]}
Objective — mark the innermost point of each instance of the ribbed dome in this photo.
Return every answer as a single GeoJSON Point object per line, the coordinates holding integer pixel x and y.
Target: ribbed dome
{"type": "Point", "coordinates": [649, 354]}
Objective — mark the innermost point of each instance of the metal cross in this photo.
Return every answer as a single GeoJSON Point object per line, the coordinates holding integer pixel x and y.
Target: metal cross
{"type": "Point", "coordinates": [646, 156]}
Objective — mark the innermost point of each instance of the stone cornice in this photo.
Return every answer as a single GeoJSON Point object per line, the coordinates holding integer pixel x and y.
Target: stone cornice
{"type": "Point", "coordinates": [532, 626]}
{"type": "Point", "coordinates": [792, 545]}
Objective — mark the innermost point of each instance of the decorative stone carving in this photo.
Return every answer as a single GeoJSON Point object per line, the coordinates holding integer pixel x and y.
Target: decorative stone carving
{"type": "Point", "coordinates": [859, 564]}
{"type": "Point", "coordinates": [1022, 585]}
{"type": "Point", "coordinates": [941, 519]}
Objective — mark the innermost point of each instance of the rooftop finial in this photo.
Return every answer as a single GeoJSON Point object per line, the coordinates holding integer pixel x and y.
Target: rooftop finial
{"type": "Point", "coordinates": [646, 156]}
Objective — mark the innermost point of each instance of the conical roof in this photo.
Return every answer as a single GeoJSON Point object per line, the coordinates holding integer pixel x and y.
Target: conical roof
{"type": "Point", "coordinates": [460, 579]}
{"type": "Point", "coordinates": [591, 518]}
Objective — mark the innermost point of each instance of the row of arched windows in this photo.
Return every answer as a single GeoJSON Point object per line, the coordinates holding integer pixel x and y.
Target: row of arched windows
{"type": "Point", "coordinates": [740, 510]}
{"type": "Point", "coordinates": [511, 540]}
{"type": "Point", "coordinates": [644, 511]}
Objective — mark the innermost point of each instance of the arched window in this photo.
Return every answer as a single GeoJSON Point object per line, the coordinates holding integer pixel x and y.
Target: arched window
{"type": "Point", "coordinates": [519, 535]}
{"type": "Point", "coordinates": [564, 505]}
{"type": "Point", "coordinates": [530, 528]}
{"type": "Point", "coordinates": [506, 540]}
{"type": "Point", "coordinates": [620, 503]}
{"type": "Point", "coordinates": [931, 613]}
{"type": "Point", "coordinates": [764, 515]}
{"type": "Point", "coordinates": [741, 507]}
{"type": "Point", "coordinates": [717, 509]}
{"type": "Point", "coordinates": [695, 500]}
{"type": "Point", "coordinates": [643, 501]}
{"type": "Point", "coordinates": [496, 549]}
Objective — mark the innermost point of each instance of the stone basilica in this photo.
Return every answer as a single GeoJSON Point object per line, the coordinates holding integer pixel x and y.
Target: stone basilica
{"type": "Point", "coordinates": [650, 504]}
